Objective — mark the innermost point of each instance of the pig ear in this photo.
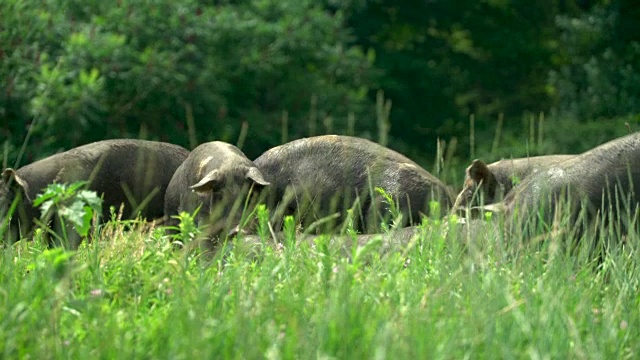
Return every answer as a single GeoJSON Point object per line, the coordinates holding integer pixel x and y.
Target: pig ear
{"type": "Point", "coordinates": [479, 172]}
{"type": "Point", "coordinates": [7, 174]}
{"type": "Point", "coordinates": [210, 182]}
{"type": "Point", "coordinates": [494, 208]}
{"type": "Point", "coordinates": [255, 175]}
{"type": "Point", "coordinates": [10, 174]}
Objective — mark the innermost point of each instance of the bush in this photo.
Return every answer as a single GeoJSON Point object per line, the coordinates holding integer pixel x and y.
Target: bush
{"type": "Point", "coordinates": [182, 72]}
{"type": "Point", "coordinates": [598, 76]}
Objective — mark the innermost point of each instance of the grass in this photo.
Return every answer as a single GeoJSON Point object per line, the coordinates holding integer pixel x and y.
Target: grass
{"type": "Point", "coordinates": [450, 294]}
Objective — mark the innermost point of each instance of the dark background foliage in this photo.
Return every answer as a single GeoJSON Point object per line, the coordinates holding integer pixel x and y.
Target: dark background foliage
{"type": "Point", "coordinates": [564, 75]}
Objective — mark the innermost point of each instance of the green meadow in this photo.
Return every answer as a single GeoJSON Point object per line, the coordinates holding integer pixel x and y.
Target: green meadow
{"type": "Point", "coordinates": [450, 292]}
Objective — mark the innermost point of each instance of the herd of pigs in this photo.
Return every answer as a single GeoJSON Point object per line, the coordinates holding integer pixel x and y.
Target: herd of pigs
{"type": "Point", "coordinates": [324, 181]}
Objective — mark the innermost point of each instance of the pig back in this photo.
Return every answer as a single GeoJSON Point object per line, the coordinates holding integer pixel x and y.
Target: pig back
{"type": "Point", "coordinates": [595, 179]}
{"type": "Point", "coordinates": [336, 169]}
{"type": "Point", "coordinates": [114, 169]}
{"type": "Point", "coordinates": [506, 170]}
{"type": "Point", "coordinates": [140, 168]}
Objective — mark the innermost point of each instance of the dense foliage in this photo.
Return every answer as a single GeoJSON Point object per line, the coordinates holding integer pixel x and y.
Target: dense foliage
{"type": "Point", "coordinates": [504, 63]}
{"type": "Point", "coordinates": [260, 72]}
{"type": "Point", "coordinates": [83, 71]}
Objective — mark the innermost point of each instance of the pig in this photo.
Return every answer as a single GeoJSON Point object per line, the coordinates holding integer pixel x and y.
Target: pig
{"type": "Point", "coordinates": [252, 245]}
{"type": "Point", "coordinates": [490, 183]}
{"type": "Point", "coordinates": [132, 172]}
{"type": "Point", "coordinates": [401, 240]}
{"type": "Point", "coordinates": [319, 176]}
{"type": "Point", "coordinates": [598, 184]}
{"type": "Point", "coordinates": [214, 178]}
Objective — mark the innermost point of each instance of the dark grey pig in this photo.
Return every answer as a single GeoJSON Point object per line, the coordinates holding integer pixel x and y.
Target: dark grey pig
{"type": "Point", "coordinates": [601, 182]}
{"type": "Point", "coordinates": [215, 178]}
{"type": "Point", "coordinates": [252, 246]}
{"type": "Point", "coordinates": [490, 183]}
{"type": "Point", "coordinates": [113, 168]}
{"type": "Point", "coordinates": [396, 240]}
{"type": "Point", "coordinates": [324, 175]}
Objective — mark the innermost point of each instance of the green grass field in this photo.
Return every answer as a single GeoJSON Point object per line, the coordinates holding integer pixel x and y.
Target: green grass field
{"type": "Point", "coordinates": [448, 293]}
